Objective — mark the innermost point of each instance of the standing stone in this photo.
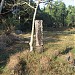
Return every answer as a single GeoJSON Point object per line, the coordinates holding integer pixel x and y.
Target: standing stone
{"type": "Point", "coordinates": [39, 35]}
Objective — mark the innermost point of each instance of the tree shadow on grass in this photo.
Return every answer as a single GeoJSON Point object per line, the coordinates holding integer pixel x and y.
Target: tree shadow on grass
{"type": "Point", "coordinates": [67, 50]}
{"type": "Point", "coordinates": [57, 41]}
{"type": "Point", "coordinates": [5, 54]}
{"type": "Point", "coordinates": [54, 37]}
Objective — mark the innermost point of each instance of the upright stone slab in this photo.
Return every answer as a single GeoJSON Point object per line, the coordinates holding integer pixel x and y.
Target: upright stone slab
{"type": "Point", "coordinates": [39, 35]}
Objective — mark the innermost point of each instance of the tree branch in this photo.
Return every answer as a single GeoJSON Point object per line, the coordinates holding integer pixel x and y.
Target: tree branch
{"type": "Point", "coordinates": [32, 32]}
{"type": "Point", "coordinates": [1, 5]}
{"type": "Point", "coordinates": [23, 4]}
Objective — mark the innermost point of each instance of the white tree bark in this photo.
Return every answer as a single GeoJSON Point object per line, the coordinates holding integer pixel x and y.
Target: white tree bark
{"type": "Point", "coordinates": [32, 33]}
{"type": "Point", "coordinates": [29, 2]}
{"type": "Point", "coordinates": [1, 5]}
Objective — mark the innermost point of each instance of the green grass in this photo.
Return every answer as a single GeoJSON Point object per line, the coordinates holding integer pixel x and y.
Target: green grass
{"type": "Point", "coordinates": [73, 50]}
{"type": "Point", "coordinates": [4, 57]}
{"type": "Point", "coordinates": [51, 61]}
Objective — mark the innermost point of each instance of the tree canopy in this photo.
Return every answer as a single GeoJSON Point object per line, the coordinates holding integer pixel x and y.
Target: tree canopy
{"type": "Point", "coordinates": [55, 14]}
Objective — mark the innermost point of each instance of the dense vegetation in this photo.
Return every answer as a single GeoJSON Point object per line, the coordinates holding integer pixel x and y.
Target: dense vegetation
{"type": "Point", "coordinates": [58, 57]}
{"type": "Point", "coordinates": [54, 14]}
{"type": "Point", "coordinates": [53, 61]}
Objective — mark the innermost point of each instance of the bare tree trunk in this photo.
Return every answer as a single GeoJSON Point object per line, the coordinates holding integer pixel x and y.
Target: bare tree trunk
{"type": "Point", "coordinates": [39, 35]}
{"type": "Point", "coordinates": [1, 5]}
{"type": "Point", "coordinates": [32, 33]}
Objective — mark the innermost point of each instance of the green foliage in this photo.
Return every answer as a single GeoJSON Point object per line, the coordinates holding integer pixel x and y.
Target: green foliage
{"type": "Point", "coordinates": [19, 16]}
{"type": "Point", "coordinates": [58, 15]}
{"type": "Point", "coordinates": [71, 16]}
{"type": "Point", "coordinates": [55, 15]}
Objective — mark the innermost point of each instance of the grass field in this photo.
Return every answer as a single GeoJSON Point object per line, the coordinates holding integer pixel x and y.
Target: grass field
{"type": "Point", "coordinates": [58, 57]}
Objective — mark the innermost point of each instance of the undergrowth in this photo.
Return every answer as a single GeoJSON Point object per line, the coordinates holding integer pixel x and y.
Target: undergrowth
{"type": "Point", "coordinates": [53, 61]}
